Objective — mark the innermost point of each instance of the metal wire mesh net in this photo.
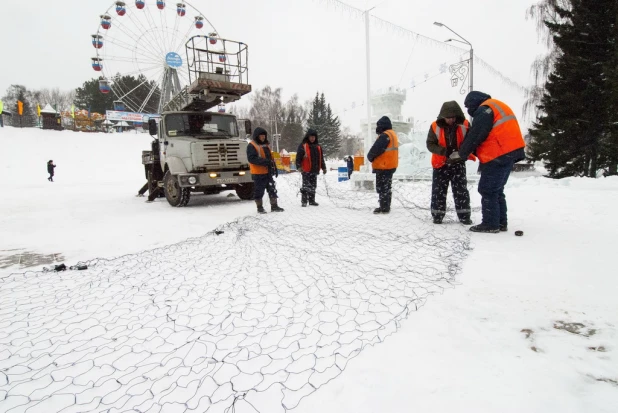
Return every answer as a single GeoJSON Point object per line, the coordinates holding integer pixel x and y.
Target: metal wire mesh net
{"type": "Point", "coordinates": [252, 318]}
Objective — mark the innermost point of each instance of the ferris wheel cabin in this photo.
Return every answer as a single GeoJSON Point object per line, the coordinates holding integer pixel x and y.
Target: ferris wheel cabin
{"type": "Point", "coordinates": [97, 64]}
{"type": "Point", "coordinates": [97, 41]}
{"type": "Point", "coordinates": [121, 8]}
{"type": "Point", "coordinates": [106, 21]}
{"type": "Point", "coordinates": [140, 4]}
{"type": "Point", "coordinates": [104, 86]}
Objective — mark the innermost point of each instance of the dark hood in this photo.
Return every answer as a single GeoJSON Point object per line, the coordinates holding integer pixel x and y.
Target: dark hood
{"type": "Point", "coordinates": [383, 124]}
{"type": "Point", "coordinates": [311, 132]}
{"type": "Point", "coordinates": [257, 132]}
{"type": "Point", "coordinates": [449, 110]}
{"type": "Point", "coordinates": [474, 100]}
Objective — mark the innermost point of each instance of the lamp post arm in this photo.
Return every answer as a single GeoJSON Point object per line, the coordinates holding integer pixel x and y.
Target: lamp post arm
{"type": "Point", "coordinates": [457, 34]}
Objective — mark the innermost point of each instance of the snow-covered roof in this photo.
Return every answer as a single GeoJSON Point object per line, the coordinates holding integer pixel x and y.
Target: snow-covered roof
{"type": "Point", "coordinates": [122, 123]}
{"type": "Point", "coordinates": [49, 109]}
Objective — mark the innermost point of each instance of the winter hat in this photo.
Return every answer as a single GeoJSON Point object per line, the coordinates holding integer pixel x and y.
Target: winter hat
{"type": "Point", "coordinates": [383, 124]}
{"type": "Point", "coordinates": [474, 100]}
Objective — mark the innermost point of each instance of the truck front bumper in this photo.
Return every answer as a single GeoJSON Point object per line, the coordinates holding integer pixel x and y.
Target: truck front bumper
{"type": "Point", "coordinates": [214, 178]}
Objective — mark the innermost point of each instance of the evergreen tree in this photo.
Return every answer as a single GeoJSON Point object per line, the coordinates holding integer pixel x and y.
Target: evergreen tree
{"type": "Point", "coordinates": [292, 132]}
{"type": "Point", "coordinates": [133, 90]}
{"type": "Point", "coordinates": [571, 133]}
{"type": "Point", "coordinates": [609, 142]}
{"type": "Point", "coordinates": [327, 125]}
{"type": "Point", "coordinates": [89, 96]}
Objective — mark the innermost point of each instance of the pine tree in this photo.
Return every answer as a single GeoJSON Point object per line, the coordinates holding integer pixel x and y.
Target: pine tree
{"type": "Point", "coordinates": [327, 125]}
{"type": "Point", "coordinates": [609, 143]}
{"type": "Point", "coordinates": [89, 96]}
{"type": "Point", "coordinates": [292, 132]}
{"type": "Point", "coordinates": [570, 133]}
{"type": "Point", "coordinates": [134, 89]}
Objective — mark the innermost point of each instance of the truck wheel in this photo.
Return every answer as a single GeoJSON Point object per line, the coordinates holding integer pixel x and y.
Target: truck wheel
{"type": "Point", "coordinates": [175, 195]}
{"type": "Point", "coordinates": [245, 191]}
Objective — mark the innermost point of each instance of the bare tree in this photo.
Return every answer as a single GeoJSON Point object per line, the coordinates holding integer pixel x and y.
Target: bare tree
{"type": "Point", "coordinates": [542, 12]}
{"type": "Point", "coordinates": [61, 100]}
{"type": "Point", "coordinates": [351, 143]}
{"type": "Point", "coordinates": [267, 109]}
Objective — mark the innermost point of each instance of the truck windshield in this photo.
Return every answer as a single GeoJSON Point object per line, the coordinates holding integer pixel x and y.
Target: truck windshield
{"type": "Point", "coordinates": [206, 125]}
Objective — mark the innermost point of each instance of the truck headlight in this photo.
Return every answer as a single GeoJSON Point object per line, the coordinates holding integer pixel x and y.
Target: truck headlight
{"type": "Point", "coordinates": [192, 180]}
{"type": "Point", "coordinates": [213, 175]}
{"type": "Point", "coordinates": [241, 173]}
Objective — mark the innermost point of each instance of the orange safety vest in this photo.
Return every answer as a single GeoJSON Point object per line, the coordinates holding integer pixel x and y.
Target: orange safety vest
{"type": "Point", "coordinates": [307, 159]}
{"type": "Point", "coordinates": [438, 161]}
{"type": "Point", "coordinates": [504, 137]}
{"type": "Point", "coordinates": [259, 169]}
{"type": "Point", "coordinates": [390, 158]}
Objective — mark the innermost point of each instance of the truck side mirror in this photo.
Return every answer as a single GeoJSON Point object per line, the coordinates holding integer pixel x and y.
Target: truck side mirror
{"type": "Point", "coordinates": [248, 127]}
{"type": "Point", "coordinates": [152, 127]}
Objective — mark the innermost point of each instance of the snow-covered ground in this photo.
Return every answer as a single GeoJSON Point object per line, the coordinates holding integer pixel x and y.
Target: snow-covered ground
{"type": "Point", "coordinates": [504, 324]}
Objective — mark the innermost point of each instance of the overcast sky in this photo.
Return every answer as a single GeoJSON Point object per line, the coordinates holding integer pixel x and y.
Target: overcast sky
{"type": "Point", "coordinates": [302, 46]}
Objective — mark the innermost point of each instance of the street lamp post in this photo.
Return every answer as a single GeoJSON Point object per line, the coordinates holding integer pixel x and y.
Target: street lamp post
{"type": "Point", "coordinates": [471, 51]}
{"type": "Point", "coordinates": [368, 137]}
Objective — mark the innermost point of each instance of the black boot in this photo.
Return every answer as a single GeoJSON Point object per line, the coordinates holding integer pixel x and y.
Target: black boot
{"type": "Point", "coordinates": [437, 220]}
{"type": "Point", "coordinates": [504, 227]}
{"type": "Point", "coordinates": [485, 229]}
{"type": "Point", "coordinates": [274, 207]}
{"type": "Point", "coordinates": [303, 199]}
{"type": "Point", "coordinates": [465, 220]}
{"type": "Point", "coordinates": [260, 206]}
{"type": "Point", "coordinates": [377, 211]}
{"type": "Point", "coordinates": [385, 205]}
{"type": "Point", "coordinates": [312, 200]}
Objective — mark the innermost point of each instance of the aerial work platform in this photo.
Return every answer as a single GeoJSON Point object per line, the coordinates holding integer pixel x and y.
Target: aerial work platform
{"type": "Point", "coordinates": [218, 74]}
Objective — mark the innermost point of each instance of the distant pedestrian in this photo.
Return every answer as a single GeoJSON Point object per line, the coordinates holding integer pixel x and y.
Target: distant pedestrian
{"type": "Point", "coordinates": [309, 161]}
{"type": "Point", "coordinates": [1, 110]}
{"type": "Point", "coordinates": [50, 170]}
{"type": "Point", "coordinates": [384, 158]}
{"type": "Point", "coordinates": [350, 163]}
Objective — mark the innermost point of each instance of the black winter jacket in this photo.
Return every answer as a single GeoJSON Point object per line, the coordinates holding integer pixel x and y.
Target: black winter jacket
{"type": "Point", "coordinates": [314, 153]}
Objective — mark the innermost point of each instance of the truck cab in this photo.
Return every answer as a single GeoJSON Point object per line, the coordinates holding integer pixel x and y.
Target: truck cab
{"type": "Point", "coordinates": [202, 152]}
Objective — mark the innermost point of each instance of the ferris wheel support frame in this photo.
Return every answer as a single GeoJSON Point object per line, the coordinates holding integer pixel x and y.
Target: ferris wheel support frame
{"type": "Point", "coordinates": [170, 87]}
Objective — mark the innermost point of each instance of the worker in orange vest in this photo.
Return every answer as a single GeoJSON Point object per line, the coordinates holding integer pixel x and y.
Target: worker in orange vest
{"type": "Point", "coordinates": [384, 158]}
{"type": "Point", "coordinates": [262, 170]}
{"type": "Point", "coordinates": [496, 139]}
{"type": "Point", "coordinates": [309, 161]}
{"type": "Point", "coordinates": [445, 137]}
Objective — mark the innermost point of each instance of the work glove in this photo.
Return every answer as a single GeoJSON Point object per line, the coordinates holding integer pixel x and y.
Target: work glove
{"type": "Point", "coordinates": [454, 158]}
{"type": "Point", "coordinates": [324, 171]}
{"type": "Point", "coordinates": [273, 170]}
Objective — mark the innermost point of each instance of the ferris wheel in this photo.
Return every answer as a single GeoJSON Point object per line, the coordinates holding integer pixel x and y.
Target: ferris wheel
{"type": "Point", "coordinates": [139, 51]}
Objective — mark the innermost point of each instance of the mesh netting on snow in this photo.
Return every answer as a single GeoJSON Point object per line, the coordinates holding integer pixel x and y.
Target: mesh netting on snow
{"type": "Point", "coordinates": [250, 320]}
